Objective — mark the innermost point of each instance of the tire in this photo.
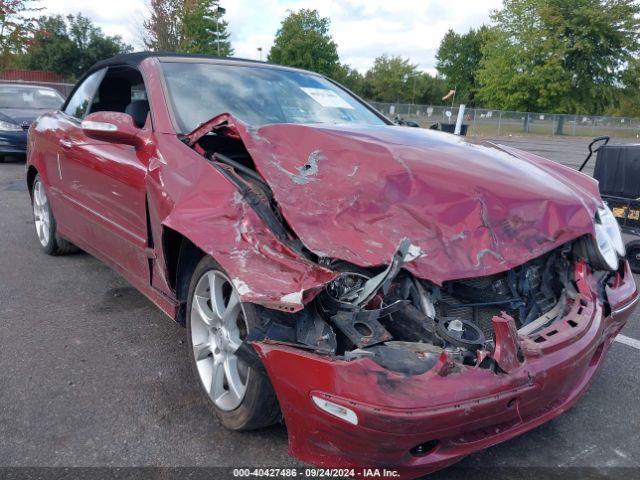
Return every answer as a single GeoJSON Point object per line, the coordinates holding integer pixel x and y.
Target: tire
{"type": "Point", "coordinates": [251, 403]}
{"type": "Point", "coordinates": [45, 223]}
{"type": "Point", "coordinates": [633, 255]}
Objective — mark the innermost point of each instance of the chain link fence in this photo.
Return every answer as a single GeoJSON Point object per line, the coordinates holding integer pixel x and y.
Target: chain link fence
{"type": "Point", "coordinates": [496, 123]}
{"type": "Point", "coordinates": [481, 122]}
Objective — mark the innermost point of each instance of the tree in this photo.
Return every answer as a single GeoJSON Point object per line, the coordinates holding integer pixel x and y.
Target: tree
{"type": "Point", "coordinates": [16, 25]}
{"type": "Point", "coordinates": [459, 59]}
{"type": "Point", "coordinates": [203, 30]}
{"type": "Point", "coordinates": [69, 46]}
{"type": "Point", "coordinates": [558, 56]}
{"type": "Point", "coordinates": [350, 78]}
{"type": "Point", "coordinates": [627, 101]}
{"type": "Point", "coordinates": [162, 28]}
{"type": "Point", "coordinates": [392, 79]}
{"type": "Point", "coordinates": [430, 89]}
{"type": "Point", "coordinates": [303, 40]}
{"type": "Point", "coordinates": [186, 26]}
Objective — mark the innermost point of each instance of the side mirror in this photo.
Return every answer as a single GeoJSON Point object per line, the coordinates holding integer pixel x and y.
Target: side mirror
{"type": "Point", "coordinates": [113, 127]}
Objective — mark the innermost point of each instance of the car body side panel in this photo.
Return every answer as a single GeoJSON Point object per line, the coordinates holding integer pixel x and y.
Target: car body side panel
{"type": "Point", "coordinates": [43, 153]}
{"type": "Point", "coordinates": [201, 204]}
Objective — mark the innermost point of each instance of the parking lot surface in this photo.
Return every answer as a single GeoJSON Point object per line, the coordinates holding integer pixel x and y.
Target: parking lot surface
{"type": "Point", "coordinates": [92, 374]}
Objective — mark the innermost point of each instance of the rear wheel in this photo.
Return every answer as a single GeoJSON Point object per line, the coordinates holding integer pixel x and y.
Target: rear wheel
{"type": "Point", "coordinates": [217, 323]}
{"type": "Point", "coordinates": [633, 255]}
{"type": "Point", "coordinates": [45, 222]}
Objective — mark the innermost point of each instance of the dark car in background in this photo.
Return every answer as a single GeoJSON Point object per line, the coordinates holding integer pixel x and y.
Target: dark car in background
{"type": "Point", "coordinates": [20, 105]}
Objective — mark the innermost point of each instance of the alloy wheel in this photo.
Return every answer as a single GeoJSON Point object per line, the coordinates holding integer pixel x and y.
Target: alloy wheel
{"type": "Point", "coordinates": [218, 326]}
{"type": "Point", "coordinates": [41, 213]}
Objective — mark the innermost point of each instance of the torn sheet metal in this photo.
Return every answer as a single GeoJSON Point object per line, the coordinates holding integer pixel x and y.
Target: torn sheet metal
{"type": "Point", "coordinates": [352, 192]}
{"type": "Point", "coordinates": [213, 215]}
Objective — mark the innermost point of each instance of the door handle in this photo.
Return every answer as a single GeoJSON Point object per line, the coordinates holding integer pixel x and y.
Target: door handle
{"type": "Point", "coordinates": [66, 144]}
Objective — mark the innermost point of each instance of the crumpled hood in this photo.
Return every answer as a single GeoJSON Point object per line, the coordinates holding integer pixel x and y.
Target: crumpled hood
{"type": "Point", "coordinates": [354, 192]}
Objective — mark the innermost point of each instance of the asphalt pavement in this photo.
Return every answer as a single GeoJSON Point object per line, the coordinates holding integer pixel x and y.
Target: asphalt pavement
{"type": "Point", "coordinates": [93, 375]}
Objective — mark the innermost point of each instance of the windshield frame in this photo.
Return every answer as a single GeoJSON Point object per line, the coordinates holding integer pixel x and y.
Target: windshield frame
{"type": "Point", "coordinates": [246, 64]}
{"type": "Point", "coordinates": [33, 88]}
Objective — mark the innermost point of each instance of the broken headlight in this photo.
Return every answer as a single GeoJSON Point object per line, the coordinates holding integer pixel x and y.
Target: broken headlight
{"type": "Point", "coordinates": [608, 247]}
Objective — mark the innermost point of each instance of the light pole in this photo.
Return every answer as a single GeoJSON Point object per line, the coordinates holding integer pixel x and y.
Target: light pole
{"type": "Point", "coordinates": [260, 52]}
{"type": "Point", "coordinates": [219, 12]}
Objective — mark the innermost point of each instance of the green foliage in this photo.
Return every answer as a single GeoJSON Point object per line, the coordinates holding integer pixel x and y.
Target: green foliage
{"type": "Point", "coordinates": [392, 79]}
{"type": "Point", "coordinates": [458, 61]}
{"type": "Point", "coordinates": [69, 46]}
{"type": "Point", "coordinates": [16, 26]}
{"type": "Point", "coordinates": [187, 26]}
{"type": "Point", "coordinates": [627, 101]}
{"type": "Point", "coordinates": [303, 40]}
{"type": "Point", "coordinates": [558, 56]}
{"type": "Point", "coordinates": [203, 30]}
{"type": "Point", "coordinates": [350, 78]}
{"type": "Point", "coordinates": [162, 27]}
{"type": "Point", "coordinates": [430, 89]}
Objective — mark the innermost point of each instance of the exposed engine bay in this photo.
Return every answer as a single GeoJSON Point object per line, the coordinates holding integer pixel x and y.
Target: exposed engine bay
{"type": "Point", "coordinates": [401, 322]}
{"type": "Point", "coordinates": [404, 323]}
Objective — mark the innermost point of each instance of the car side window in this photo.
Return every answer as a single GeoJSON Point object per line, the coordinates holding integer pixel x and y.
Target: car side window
{"type": "Point", "coordinates": [79, 102]}
{"type": "Point", "coordinates": [122, 90]}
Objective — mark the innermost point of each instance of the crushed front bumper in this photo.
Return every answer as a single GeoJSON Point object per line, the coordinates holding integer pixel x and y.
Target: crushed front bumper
{"type": "Point", "coordinates": [452, 409]}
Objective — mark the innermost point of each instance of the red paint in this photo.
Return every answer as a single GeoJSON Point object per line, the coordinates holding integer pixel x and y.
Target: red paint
{"type": "Point", "coordinates": [506, 339]}
{"type": "Point", "coordinates": [350, 193]}
{"type": "Point", "coordinates": [466, 409]}
{"type": "Point", "coordinates": [473, 209]}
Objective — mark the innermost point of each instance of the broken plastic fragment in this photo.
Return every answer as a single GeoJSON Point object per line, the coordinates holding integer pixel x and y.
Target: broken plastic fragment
{"type": "Point", "coordinates": [295, 297]}
{"type": "Point", "coordinates": [241, 286]}
{"type": "Point", "coordinates": [406, 252]}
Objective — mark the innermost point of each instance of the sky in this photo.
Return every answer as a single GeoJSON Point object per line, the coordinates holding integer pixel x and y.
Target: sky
{"type": "Point", "coordinates": [363, 29]}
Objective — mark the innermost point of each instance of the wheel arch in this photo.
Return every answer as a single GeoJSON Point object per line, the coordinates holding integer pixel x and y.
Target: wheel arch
{"type": "Point", "coordinates": [181, 258]}
{"type": "Point", "coordinates": [31, 176]}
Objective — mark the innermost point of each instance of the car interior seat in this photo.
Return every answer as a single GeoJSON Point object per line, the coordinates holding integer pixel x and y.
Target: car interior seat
{"type": "Point", "coordinates": [114, 95]}
{"type": "Point", "coordinates": [138, 109]}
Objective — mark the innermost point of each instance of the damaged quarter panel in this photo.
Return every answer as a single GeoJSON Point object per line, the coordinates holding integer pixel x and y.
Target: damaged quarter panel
{"type": "Point", "coordinates": [263, 270]}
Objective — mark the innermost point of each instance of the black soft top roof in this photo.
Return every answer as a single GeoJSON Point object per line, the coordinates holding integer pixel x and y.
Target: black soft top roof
{"type": "Point", "coordinates": [134, 59]}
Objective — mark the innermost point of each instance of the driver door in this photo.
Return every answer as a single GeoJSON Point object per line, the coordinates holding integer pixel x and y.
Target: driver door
{"type": "Point", "coordinates": [107, 180]}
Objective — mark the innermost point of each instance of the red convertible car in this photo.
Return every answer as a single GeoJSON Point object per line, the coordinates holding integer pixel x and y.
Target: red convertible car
{"type": "Point", "coordinates": [398, 297]}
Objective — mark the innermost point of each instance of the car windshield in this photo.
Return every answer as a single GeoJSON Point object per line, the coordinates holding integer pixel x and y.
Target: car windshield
{"type": "Point", "coordinates": [258, 95]}
{"type": "Point", "coordinates": [36, 98]}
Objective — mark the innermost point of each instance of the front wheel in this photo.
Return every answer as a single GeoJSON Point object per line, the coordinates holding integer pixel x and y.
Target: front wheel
{"type": "Point", "coordinates": [45, 222]}
{"type": "Point", "coordinates": [217, 323]}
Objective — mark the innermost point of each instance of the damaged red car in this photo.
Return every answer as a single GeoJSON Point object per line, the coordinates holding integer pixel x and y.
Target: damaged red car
{"type": "Point", "coordinates": [398, 297]}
